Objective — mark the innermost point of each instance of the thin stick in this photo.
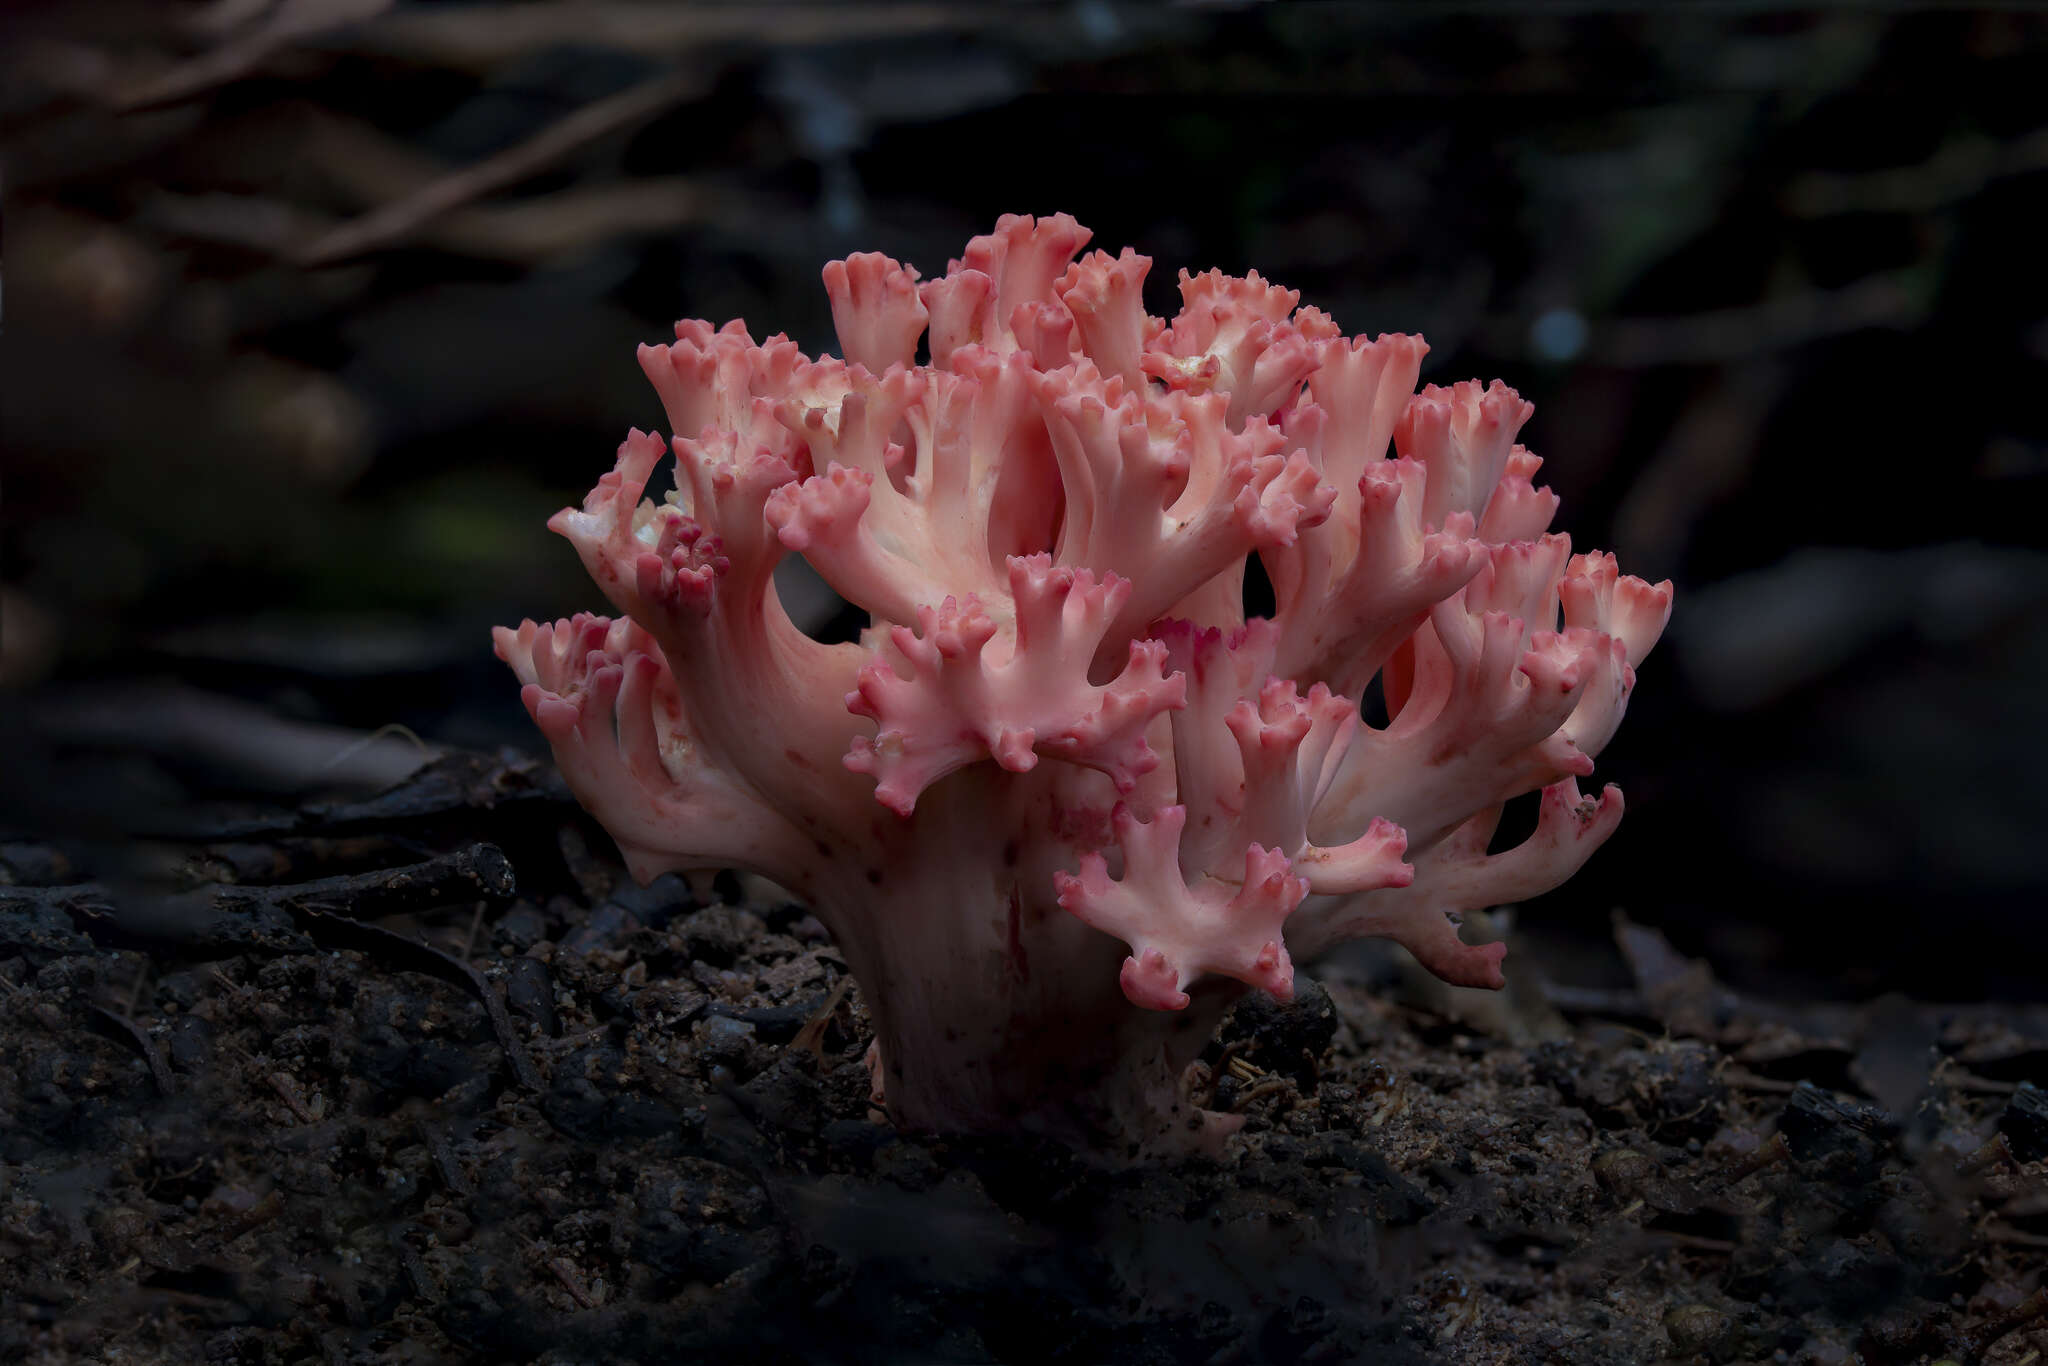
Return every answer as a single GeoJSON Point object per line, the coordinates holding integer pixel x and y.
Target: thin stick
{"type": "Point", "coordinates": [281, 28]}
{"type": "Point", "coordinates": [402, 217]}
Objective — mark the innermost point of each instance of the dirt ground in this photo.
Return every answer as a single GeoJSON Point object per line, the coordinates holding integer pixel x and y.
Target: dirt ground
{"type": "Point", "coordinates": [424, 1079]}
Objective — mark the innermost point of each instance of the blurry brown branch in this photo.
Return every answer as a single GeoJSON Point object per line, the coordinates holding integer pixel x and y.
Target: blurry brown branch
{"type": "Point", "coordinates": [362, 162]}
{"type": "Point", "coordinates": [217, 18]}
{"type": "Point", "coordinates": [366, 169]}
{"type": "Point", "coordinates": [1954, 173]}
{"type": "Point", "coordinates": [403, 217]}
{"type": "Point", "coordinates": [534, 230]}
{"type": "Point", "coordinates": [284, 27]}
{"type": "Point", "coordinates": [1703, 460]}
{"type": "Point", "coordinates": [1891, 299]}
{"type": "Point", "coordinates": [265, 750]}
{"type": "Point", "coordinates": [479, 37]}
{"type": "Point", "coordinates": [525, 231]}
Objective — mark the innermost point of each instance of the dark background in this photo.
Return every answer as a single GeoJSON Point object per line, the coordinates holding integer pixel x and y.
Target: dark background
{"type": "Point", "coordinates": [316, 309]}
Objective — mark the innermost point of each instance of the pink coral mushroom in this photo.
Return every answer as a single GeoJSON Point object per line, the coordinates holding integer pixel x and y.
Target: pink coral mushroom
{"type": "Point", "coordinates": [1049, 525]}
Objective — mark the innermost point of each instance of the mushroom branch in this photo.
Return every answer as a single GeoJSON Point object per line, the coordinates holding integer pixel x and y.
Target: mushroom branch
{"type": "Point", "coordinates": [1063, 802]}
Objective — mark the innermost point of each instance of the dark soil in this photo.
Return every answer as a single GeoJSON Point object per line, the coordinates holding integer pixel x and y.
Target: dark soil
{"type": "Point", "coordinates": [350, 1086]}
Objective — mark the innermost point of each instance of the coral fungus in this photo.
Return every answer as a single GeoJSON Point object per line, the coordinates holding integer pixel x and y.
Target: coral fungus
{"type": "Point", "coordinates": [1060, 743]}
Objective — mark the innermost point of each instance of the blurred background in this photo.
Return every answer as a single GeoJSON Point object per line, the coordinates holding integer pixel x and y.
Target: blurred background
{"type": "Point", "coordinates": [316, 309]}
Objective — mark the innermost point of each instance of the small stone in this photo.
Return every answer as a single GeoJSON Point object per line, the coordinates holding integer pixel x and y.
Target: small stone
{"type": "Point", "coordinates": [1624, 1170]}
{"type": "Point", "coordinates": [1696, 1328]}
{"type": "Point", "coordinates": [722, 1039]}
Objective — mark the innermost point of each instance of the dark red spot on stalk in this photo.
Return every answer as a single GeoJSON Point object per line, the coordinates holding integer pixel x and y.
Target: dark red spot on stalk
{"type": "Point", "coordinates": [1019, 962]}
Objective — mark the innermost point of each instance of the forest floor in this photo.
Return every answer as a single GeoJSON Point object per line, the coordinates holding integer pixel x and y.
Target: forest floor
{"type": "Point", "coordinates": [423, 1079]}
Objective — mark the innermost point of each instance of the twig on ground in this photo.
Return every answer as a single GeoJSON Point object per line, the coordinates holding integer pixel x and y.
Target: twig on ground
{"type": "Point", "coordinates": [2020, 1315]}
{"type": "Point", "coordinates": [119, 1027]}
{"type": "Point", "coordinates": [337, 931]}
{"type": "Point", "coordinates": [454, 784]}
{"type": "Point", "coordinates": [295, 859]}
{"type": "Point", "coordinates": [476, 920]}
{"type": "Point", "coordinates": [811, 1037]}
{"type": "Point", "coordinates": [288, 1092]}
{"type": "Point", "coordinates": [572, 1282]}
{"type": "Point", "coordinates": [479, 871]}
